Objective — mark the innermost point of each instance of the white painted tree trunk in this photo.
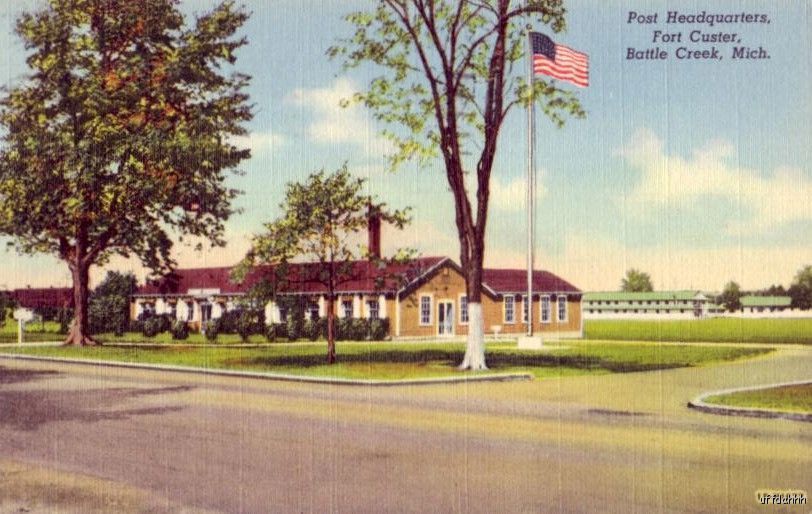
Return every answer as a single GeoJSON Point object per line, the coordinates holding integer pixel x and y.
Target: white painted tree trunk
{"type": "Point", "coordinates": [475, 350]}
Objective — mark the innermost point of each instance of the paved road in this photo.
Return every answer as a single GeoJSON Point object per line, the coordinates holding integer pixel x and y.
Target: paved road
{"type": "Point", "coordinates": [613, 443]}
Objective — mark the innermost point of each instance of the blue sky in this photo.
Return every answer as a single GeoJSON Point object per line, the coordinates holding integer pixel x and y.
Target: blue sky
{"type": "Point", "coordinates": [697, 172]}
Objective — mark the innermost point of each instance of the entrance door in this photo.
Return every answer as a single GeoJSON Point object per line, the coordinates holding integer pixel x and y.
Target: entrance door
{"type": "Point", "coordinates": [445, 318]}
{"type": "Point", "coordinates": [205, 313]}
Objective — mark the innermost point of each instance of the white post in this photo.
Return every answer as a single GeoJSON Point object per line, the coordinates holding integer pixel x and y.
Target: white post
{"type": "Point", "coordinates": [356, 306]}
{"type": "Point", "coordinates": [531, 188]}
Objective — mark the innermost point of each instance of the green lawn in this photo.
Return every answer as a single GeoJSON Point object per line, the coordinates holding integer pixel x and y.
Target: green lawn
{"type": "Point", "coordinates": [721, 330]}
{"type": "Point", "coordinates": [34, 332]}
{"type": "Point", "coordinates": [796, 398]}
{"type": "Point", "coordinates": [410, 360]}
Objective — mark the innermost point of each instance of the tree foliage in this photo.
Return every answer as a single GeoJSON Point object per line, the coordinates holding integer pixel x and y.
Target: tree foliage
{"type": "Point", "coordinates": [109, 305]}
{"type": "Point", "coordinates": [636, 281]}
{"type": "Point", "coordinates": [801, 289]}
{"type": "Point", "coordinates": [730, 298]}
{"type": "Point", "coordinates": [450, 73]}
{"type": "Point", "coordinates": [321, 221]}
{"type": "Point", "coordinates": [121, 132]}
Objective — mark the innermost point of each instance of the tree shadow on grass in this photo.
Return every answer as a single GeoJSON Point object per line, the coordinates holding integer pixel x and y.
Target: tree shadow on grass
{"type": "Point", "coordinates": [496, 361]}
{"type": "Point", "coordinates": [28, 410]}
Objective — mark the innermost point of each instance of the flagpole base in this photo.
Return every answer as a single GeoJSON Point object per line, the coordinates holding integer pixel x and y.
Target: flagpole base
{"type": "Point", "coordinates": [533, 342]}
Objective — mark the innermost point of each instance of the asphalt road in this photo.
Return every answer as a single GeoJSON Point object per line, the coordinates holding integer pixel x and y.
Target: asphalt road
{"type": "Point", "coordinates": [613, 443]}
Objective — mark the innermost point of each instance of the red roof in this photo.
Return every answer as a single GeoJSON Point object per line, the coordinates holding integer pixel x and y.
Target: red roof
{"type": "Point", "coordinates": [44, 297]}
{"type": "Point", "coordinates": [362, 276]}
{"type": "Point", "coordinates": [506, 281]}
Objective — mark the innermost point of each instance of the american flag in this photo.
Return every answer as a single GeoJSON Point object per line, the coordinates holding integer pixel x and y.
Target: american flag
{"type": "Point", "coordinates": [559, 61]}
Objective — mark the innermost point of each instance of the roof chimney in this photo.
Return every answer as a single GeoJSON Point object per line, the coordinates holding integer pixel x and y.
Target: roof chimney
{"type": "Point", "coordinates": [374, 232]}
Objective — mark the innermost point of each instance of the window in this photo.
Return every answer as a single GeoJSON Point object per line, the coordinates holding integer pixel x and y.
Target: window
{"type": "Point", "coordinates": [562, 307]}
{"type": "Point", "coordinates": [283, 314]}
{"type": "Point", "coordinates": [346, 307]}
{"type": "Point", "coordinates": [463, 309]}
{"type": "Point", "coordinates": [313, 311]}
{"type": "Point", "coordinates": [425, 310]}
{"type": "Point", "coordinates": [172, 310]}
{"type": "Point", "coordinates": [545, 309]}
{"type": "Point", "coordinates": [372, 306]}
{"type": "Point", "coordinates": [525, 304]}
{"type": "Point", "coordinates": [510, 305]}
{"type": "Point", "coordinates": [190, 311]}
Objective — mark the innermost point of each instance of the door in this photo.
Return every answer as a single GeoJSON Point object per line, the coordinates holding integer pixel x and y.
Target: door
{"type": "Point", "coordinates": [445, 318]}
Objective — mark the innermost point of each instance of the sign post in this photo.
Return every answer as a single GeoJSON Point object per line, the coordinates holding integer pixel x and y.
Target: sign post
{"type": "Point", "coordinates": [22, 316]}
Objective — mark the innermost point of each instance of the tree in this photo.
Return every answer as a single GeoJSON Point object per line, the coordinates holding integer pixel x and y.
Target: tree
{"type": "Point", "coordinates": [636, 281]}
{"type": "Point", "coordinates": [451, 73]}
{"type": "Point", "coordinates": [121, 133]}
{"type": "Point", "coordinates": [109, 305]}
{"type": "Point", "coordinates": [320, 219]}
{"type": "Point", "coordinates": [730, 298]}
{"type": "Point", "coordinates": [801, 289]}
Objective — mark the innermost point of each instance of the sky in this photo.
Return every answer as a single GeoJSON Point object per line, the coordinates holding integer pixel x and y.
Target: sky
{"type": "Point", "coordinates": [695, 171]}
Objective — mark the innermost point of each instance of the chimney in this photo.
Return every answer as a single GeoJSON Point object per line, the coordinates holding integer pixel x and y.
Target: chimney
{"type": "Point", "coordinates": [374, 232]}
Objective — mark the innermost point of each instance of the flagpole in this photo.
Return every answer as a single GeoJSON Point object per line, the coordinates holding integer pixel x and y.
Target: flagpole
{"type": "Point", "coordinates": [531, 186]}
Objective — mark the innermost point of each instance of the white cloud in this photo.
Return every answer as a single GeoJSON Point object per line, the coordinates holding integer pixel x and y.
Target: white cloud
{"type": "Point", "coordinates": [260, 142]}
{"type": "Point", "coordinates": [512, 195]}
{"type": "Point", "coordinates": [336, 125]}
{"type": "Point", "coordinates": [774, 198]}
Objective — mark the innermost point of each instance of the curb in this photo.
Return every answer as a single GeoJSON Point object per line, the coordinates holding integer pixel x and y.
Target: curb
{"type": "Point", "coordinates": [699, 404]}
{"type": "Point", "coordinates": [501, 377]}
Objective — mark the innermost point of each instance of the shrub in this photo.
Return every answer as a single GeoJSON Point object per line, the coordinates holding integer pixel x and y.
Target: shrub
{"type": "Point", "coordinates": [294, 328]}
{"type": "Point", "coordinates": [180, 330]}
{"type": "Point", "coordinates": [270, 332]}
{"type": "Point", "coordinates": [136, 326]}
{"type": "Point", "coordinates": [212, 329]}
{"type": "Point", "coordinates": [378, 329]}
{"type": "Point", "coordinates": [229, 321]}
{"type": "Point", "coordinates": [245, 325]}
{"type": "Point", "coordinates": [310, 329]}
{"type": "Point", "coordinates": [343, 328]}
{"type": "Point", "coordinates": [152, 327]}
{"type": "Point", "coordinates": [359, 329]}
{"type": "Point", "coordinates": [164, 322]}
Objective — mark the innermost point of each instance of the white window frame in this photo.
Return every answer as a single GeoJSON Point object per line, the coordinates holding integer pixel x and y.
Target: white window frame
{"type": "Point", "coordinates": [344, 311]}
{"type": "Point", "coordinates": [512, 302]}
{"type": "Point", "coordinates": [558, 305]}
{"type": "Point", "coordinates": [463, 300]}
{"type": "Point", "coordinates": [373, 307]}
{"type": "Point", "coordinates": [549, 318]}
{"type": "Point", "coordinates": [524, 308]}
{"type": "Point", "coordinates": [430, 298]}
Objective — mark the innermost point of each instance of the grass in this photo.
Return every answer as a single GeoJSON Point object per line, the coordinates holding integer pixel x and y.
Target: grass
{"type": "Point", "coordinates": [34, 332]}
{"type": "Point", "coordinates": [795, 398]}
{"type": "Point", "coordinates": [392, 361]}
{"type": "Point", "coordinates": [720, 330]}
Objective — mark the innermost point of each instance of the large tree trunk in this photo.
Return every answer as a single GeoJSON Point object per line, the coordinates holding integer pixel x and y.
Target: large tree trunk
{"type": "Point", "coordinates": [474, 358]}
{"type": "Point", "coordinates": [331, 339]}
{"type": "Point", "coordinates": [79, 333]}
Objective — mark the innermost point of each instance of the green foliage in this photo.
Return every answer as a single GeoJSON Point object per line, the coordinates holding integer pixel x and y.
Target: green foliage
{"type": "Point", "coordinates": [636, 281]}
{"type": "Point", "coordinates": [123, 130]}
{"type": "Point", "coordinates": [801, 289]}
{"type": "Point", "coordinates": [212, 330]}
{"type": "Point", "coordinates": [109, 306]}
{"type": "Point", "coordinates": [378, 329]}
{"type": "Point", "coordinates": [450, 71]}
{"type": "Point", "coordinates": [180, 330]}
{"type": "Point", "coordinates": [731, 297]}
{"type": "Point", "coordinates": [311, 329]}
{"type": "Point", "coordinates": [152, 327]}
{"type": "Point", "coordinates": [320, 218]}
{"type": "Point", "coordinates": [247, 325]}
